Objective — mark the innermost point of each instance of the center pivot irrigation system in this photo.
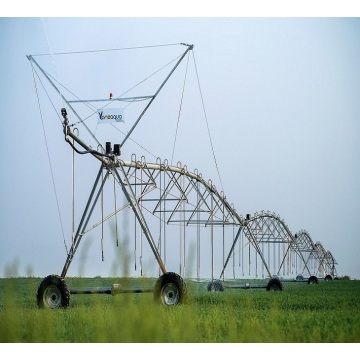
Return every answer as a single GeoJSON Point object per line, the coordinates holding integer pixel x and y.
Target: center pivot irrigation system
{"type": "Point", "coordinates": [182, 218]}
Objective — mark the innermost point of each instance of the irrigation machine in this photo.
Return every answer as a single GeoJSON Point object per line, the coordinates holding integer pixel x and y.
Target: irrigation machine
{"type": "Point", "coordinates": [174, 210]}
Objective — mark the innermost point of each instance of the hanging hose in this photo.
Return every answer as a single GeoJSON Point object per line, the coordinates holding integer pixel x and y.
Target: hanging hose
{"type": "Point", "coordinates": [242, 253]}
{"type": "Point", "coordinates": [198, 256]}
{"type": "Point", "coordinates": [141, 232]}
{"type": "Point", "coordinates": [135, 223]}
{"type": "Point", "coordinates": [184, 227]}
{"type": "Point", "coordinates": [160, 217]}
{"type": "Point", "coordinates": [73, 197]}
{"type": "Point", "coordinates": [116, 223]}
{"type": "Point", "coordinates": [233, 236]}
{"type": "Point", "coordinates": [212, 239]}
{"type": "Point", "coordinates": [102, 218]}
{"type": "Point", "coordinates": [223, 237]}
{"type": "Point", "coordinates": [164, 223]}
{"type": "Point", "coordinates": [249, 257]}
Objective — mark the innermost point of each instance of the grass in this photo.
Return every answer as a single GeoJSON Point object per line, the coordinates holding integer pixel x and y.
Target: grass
{"type": "Point", "coordinates": [325, 313]}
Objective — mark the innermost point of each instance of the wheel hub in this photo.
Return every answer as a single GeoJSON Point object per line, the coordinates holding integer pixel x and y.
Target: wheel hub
{"type": "Point", "coordinates": [52, 297]}
{"type": "Point", "coordinates": [169, 294]}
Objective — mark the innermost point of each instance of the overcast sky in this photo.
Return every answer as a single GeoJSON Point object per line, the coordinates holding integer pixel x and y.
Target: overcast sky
{"type": "Point", "coordinates": [282, 100]}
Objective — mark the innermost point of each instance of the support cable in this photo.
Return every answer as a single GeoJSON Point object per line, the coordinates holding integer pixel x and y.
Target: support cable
{"type": "Point", "coordinates": [106, 50]}
{"type": "Point", "coordinates": [127, 91]}
{"type": "Point", "coordinates": [47, 94]}
{"type": "Point", "coordinates": [189, 47]}
{"type": "Point", "coordinates": [50, 165]}
{"type": "Point", "coordinates": [178, 119]}
{"type": "Point", "coordinates": [51, 54]}
{"type": "Point", "coordinates": [207, 125]}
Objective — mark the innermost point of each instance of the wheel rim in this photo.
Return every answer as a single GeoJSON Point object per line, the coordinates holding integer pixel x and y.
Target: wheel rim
{"type": "Point", "coordinates": [170, 294]}
{"type": "Point", "coordinates": [52, 297]}
{"type": "Point", "coordinates": [275, 287]}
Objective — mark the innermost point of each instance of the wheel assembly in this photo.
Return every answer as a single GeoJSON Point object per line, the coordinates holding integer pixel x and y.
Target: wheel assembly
{"type": "Point", "coordinates": [53, 293]}
{"type": "Point", "coordinates": [313, 280]}
{"type": "Point", "coordinates": [299, 277]}
{"type": "Point", "coordinates": [274, 284]}
{"type": "Point", "coordinates": [170, 289]}
{"type": "Point", "coordinates": [215, 285]}
{"type": "Point", "coordinates": [328, 278]}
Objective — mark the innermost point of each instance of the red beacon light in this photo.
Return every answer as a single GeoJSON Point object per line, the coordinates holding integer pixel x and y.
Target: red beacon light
{"type": "Point", "coordinates": [110, 96]}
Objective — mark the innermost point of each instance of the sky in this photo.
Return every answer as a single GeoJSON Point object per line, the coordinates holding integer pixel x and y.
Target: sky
{"type": "Point", "coordinates": [281, 97]}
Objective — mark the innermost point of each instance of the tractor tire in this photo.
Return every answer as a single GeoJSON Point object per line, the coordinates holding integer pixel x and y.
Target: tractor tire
{"type": "Point", "coordinates": [53, 293]}
{"type": "Point", "coordinates": [313, 280]}
{"type": "Point", "coordinates": [170, 289]}
{"type": "Point", "coordinates": [274, 284]}
{"type": "Point", "coordinates": [215, 285]}
{"type": "Point", "coordinates": [299, 277]}
{"type": "Point", "coordinates": [328, 278]}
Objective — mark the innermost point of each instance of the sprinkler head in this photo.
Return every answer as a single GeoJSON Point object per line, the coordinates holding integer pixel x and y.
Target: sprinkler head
{"type": "Point", "coordinates": [63, 112]}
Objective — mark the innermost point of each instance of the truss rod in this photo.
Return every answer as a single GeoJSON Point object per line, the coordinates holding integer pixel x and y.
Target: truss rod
{"type": "Point", "coordinates": [132, 98]}
{"type": "Point", "coordinates": [189, 47]}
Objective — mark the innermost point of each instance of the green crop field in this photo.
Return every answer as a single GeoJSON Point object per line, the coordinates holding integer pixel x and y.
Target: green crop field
{"type": "Point", "coordinates": [302, 313]}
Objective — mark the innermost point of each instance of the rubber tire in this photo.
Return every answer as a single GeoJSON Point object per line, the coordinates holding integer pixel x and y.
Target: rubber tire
{"type": "Point", "coordinates": [274, 284]}
{"type": "Point", "coordinates": [328, 278]}
{"type": "Point", "coordinates": [313, 280]}
{"type": "Point", "coordinates": [170, 289]}
{"type": "Point", "coordinates": [299, 277]}
{"type": "Point", "coordinates": [215, 285]}
{"type": "Point", "coordinates": [53, 293]}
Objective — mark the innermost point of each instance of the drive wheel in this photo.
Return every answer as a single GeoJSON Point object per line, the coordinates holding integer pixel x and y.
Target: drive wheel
{"type": "Point", "coordinates": [215, 285]}
{"type": "Point", "coordinates": [313, 280]}
{"type": "Point", "coordinates": [299, 277]}
{"type": "Point", "coordinates": [328, 278]}
{"type": "Point", "coordinates": [53, 293]}
{"type": "Point", "coordinates": [274, 284]}
{"type": "Point", "coordinates": [170, 289]}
